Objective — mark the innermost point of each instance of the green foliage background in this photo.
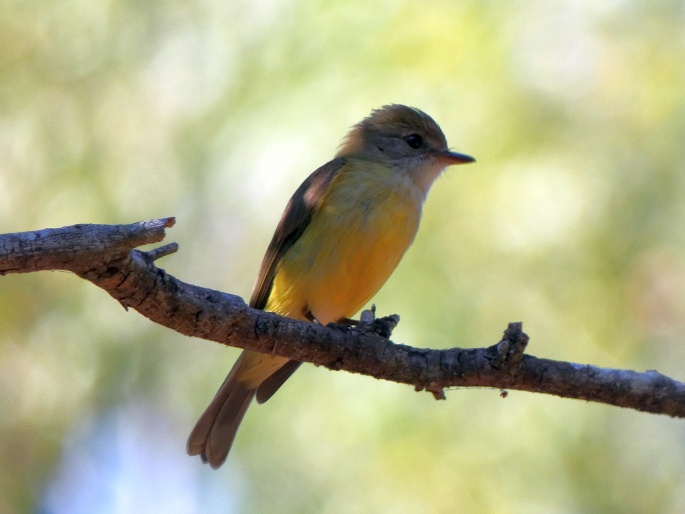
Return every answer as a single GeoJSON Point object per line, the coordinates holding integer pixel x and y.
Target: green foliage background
{"type": "Point", "coordinates": [213, 111]}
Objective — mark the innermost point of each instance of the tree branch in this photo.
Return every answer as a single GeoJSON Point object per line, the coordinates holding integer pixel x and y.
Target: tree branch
{"type": "Point", "coordinates": [106, 256]}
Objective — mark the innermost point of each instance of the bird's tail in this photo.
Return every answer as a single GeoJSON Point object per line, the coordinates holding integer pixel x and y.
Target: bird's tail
{"type": "Point", "coordinates": [215, 431]}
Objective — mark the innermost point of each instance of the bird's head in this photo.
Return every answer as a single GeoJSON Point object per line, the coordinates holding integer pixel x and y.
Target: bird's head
{"type": "Point", "coordinates": [405, 137]}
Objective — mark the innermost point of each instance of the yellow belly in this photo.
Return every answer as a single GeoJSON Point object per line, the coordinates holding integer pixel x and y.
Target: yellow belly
{"type": "Point", "coordinates": [353, 243]}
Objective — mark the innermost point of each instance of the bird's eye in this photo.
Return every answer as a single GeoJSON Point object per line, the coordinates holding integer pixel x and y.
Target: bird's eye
{"type": "Point", "coordinates": [414, 140]}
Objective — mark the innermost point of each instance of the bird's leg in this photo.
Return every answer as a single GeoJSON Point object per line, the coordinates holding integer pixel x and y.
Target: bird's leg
{"type": "Point", "coordinates": [309, 316]}
{"type": "Point", "coordinates": [368, 322]}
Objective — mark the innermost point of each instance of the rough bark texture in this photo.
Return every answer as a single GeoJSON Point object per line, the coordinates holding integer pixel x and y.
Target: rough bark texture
{"type": "Point", "coordinates": [106, 256]}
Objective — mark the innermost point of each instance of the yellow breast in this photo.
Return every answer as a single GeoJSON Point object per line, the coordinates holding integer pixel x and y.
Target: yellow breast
{"type": "Point", "coordinates": [356, 238]}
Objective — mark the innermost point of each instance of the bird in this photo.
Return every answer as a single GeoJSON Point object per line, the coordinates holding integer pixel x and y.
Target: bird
{"type": "Point", "coordinates": [342, 234]}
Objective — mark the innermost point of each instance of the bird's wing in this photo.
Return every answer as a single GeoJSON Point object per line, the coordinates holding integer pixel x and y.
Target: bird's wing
{"type": "Point", "coordinates": [296, 217]}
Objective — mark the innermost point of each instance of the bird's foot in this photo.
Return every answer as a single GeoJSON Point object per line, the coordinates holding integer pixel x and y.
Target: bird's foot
{"type": "Point", "coordinates": [368, 322]}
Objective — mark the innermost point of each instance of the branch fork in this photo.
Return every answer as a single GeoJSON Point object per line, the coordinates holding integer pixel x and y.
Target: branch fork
{"type": "Point", "coordinates": [106, 256]}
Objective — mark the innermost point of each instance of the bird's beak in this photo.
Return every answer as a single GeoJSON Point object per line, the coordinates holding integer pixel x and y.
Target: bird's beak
{"type": "Point", "coordinates": [449, 158]}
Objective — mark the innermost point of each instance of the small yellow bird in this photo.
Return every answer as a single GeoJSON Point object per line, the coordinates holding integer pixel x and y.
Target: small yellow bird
{"type": "Point", "coordinates": [341, 236]}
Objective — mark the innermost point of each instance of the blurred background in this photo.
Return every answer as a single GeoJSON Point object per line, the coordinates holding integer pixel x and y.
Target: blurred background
{"type": "Point", "coordinates": [214, 112]}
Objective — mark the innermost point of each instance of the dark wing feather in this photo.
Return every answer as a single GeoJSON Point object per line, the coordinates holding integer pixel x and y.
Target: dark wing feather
{"type": "Point", "coordinates": [269, 387]}
{"type": "Point", "coordinates": [294, 221]}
